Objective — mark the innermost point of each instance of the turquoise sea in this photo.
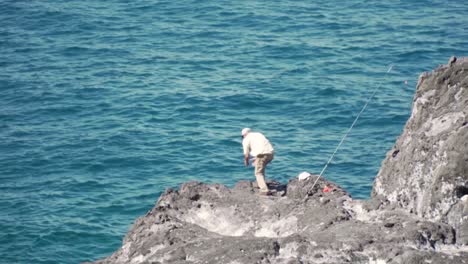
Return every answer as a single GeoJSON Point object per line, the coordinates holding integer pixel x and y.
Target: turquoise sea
{"type": "Point", "coordinates": [104, 104]}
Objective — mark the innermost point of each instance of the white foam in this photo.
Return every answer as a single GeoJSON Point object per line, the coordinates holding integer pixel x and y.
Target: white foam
{"type": "Point", "coordinates": [223, 221]}
{"type": "Point", "coordinates": [278, 228]}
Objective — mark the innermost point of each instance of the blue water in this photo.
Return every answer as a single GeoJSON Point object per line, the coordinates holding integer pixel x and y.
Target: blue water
{"type": "Point", "coordinates": [104, 104]}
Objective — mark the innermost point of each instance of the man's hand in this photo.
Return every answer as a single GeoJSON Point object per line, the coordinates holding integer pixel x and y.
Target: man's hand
{"type": "Point", "coordinates": [246, 160]}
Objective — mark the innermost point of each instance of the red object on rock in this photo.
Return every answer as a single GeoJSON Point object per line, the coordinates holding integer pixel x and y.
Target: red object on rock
{"type": "Point", "coordinates": [326, 189]}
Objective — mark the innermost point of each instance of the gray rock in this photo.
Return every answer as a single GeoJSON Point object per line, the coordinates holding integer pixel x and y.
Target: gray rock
{"type": "Point", "coordinates": [203, 223]}
{"type": "Point", "coordinates": [417, 213]}
{"type": "Point", "coordinates": [426, 172]}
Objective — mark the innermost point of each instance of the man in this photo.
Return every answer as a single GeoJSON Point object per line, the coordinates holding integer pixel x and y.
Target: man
{"type": "Point", "coordinates": [261, 149]}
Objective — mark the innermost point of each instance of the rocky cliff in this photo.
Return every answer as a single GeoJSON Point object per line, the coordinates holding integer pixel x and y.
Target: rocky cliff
{"type": "Point", "coordinates": [426, 172]}
{"type": "Point", "coordinates": [417, 212]}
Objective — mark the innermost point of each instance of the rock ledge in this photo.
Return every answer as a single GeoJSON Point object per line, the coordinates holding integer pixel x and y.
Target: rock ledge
{"type": "Point", "coordinates": [418, 212]}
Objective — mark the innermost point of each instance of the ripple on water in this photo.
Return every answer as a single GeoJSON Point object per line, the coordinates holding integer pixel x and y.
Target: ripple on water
{"type": "Point", "coordinates": [104, 106]}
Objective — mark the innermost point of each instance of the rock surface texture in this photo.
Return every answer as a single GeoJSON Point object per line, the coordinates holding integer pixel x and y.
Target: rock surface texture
{"type": "Point", "coordinates": [417, 213]}
{"type": "Point", "coordinates": [426, 172]}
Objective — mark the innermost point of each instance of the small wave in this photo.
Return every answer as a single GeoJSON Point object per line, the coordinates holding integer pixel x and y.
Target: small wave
{"type": "Point", "coordinates": [100, 111]}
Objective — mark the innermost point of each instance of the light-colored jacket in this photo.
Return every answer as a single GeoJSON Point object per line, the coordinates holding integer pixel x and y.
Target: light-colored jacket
{"type": "Point", "coordinates": [256, 143]}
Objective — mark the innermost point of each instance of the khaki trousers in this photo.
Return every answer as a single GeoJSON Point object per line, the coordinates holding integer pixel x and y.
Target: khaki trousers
{"type": "Point", "coordinates": [260, 165]}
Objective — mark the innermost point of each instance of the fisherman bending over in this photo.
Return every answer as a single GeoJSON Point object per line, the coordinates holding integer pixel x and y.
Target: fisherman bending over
{"type": "Point", "coordinates": [261, 149]}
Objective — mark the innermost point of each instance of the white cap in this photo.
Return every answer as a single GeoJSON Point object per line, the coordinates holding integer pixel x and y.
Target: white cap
{"type": "Point", "coordinates": [245, 131]}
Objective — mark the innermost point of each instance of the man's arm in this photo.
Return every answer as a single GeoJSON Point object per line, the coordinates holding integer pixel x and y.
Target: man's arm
{"type": "Point", "coordinates": [246, 149]}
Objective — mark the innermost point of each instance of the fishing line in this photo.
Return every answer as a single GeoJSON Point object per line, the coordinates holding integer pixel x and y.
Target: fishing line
{"type": "Point", "coordinates": [350, 128]}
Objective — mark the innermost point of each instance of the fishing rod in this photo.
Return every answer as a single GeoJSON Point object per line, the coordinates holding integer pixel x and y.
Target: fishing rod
{"type": "Point", "coordinates": [349, 130]}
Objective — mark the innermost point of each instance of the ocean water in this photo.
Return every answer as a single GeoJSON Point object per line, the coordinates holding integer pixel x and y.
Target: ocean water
{"type": "Point", "coordinates": [105, 104]}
